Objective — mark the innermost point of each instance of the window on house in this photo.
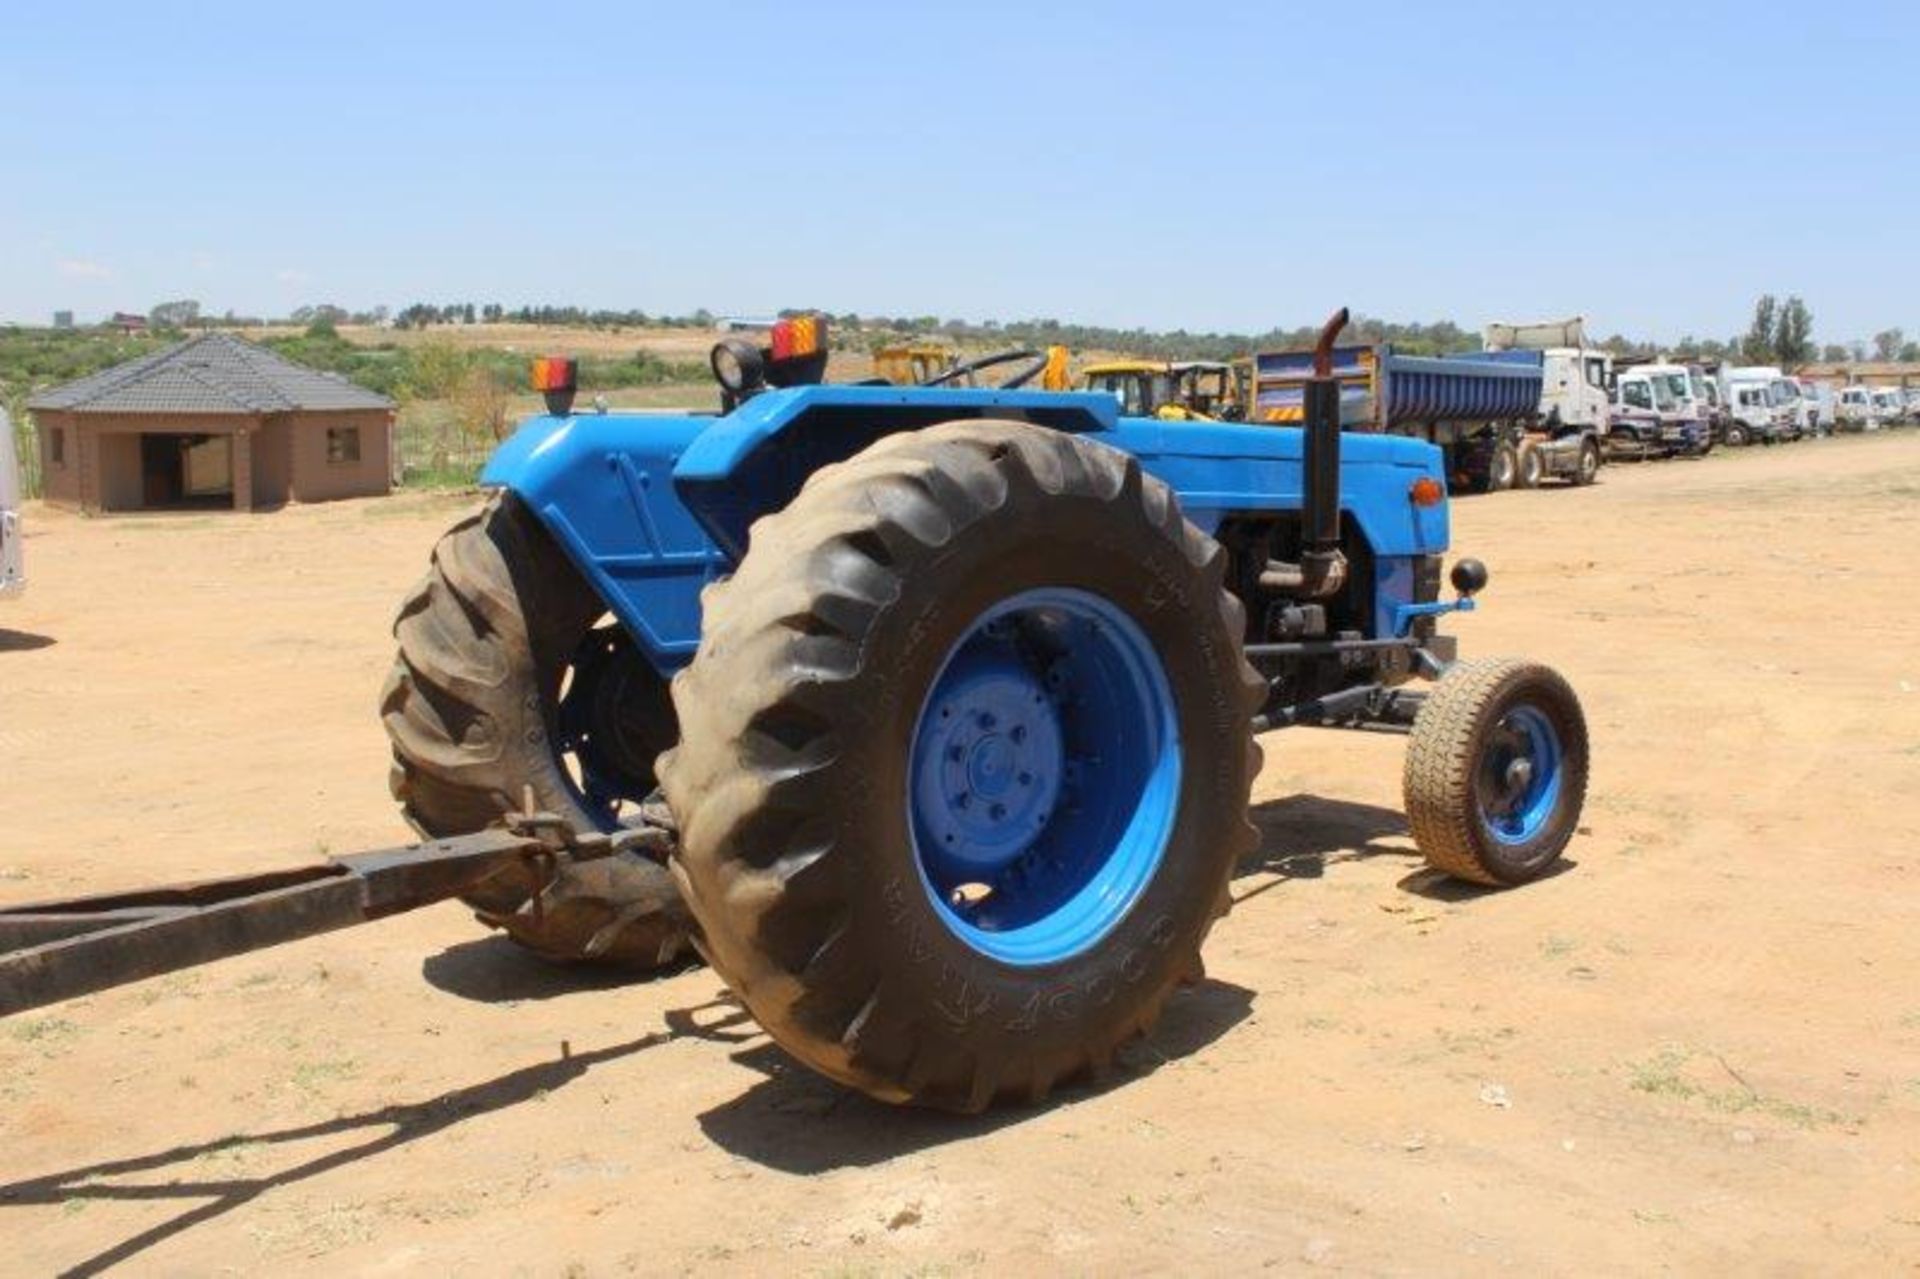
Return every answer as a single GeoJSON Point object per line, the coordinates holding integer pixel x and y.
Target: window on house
{"type": "Point", "coordinates": [57, 446]}
{"type": "Point", "coordinates": [343, 444]}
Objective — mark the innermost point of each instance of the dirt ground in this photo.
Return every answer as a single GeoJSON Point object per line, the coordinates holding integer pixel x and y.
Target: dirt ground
{"type": "Point", "coordinates": [1697, 1049]}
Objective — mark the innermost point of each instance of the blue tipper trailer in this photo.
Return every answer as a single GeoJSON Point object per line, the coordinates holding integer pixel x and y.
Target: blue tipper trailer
{"type": "Point", "coordinates": [1482, 409]}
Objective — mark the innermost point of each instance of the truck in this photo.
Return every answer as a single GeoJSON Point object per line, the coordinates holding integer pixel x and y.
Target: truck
{"type": "Point", "coordinates": [1706, 393]}
{"type": "Point", "coordinates": [1482, 411]}
{"type": "Point", "coordinates": [13, 569]}
{"type": "Point", "coordinates": [1889, 406]}
{"type": "Point", "coordinates": [1650, 419]}
{"type": "Point", "coordinates": [1855, 409]}
{"type": "Point", "coordinates": [1822, 405]}
{"type": "Point", "coordinates": [1752, 417]}
{"type": "Point", "coordinates": [1686, 416]}
{"type": "Point", "coordinates": [1782, 393]}
{"type": "Point", "coordinates": [931, 714]}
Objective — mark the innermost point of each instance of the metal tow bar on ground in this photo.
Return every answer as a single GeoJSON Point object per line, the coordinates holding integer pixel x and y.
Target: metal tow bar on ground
{"type": "Point", "coordinates": [57, 950]}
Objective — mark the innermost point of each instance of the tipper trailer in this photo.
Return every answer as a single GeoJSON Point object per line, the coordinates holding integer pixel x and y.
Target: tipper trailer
{"type": "Point", "coordinates": [929, 715]}
{"type": "Point", "coordinates": [1483, 411]}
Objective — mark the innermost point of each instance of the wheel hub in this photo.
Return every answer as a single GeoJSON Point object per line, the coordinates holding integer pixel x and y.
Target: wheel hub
{"type": "Point", "coordinates": [1000, 756]}
{"type": "Point", "coordinates": [1519, 774]}
{"type": "Point", "coordinates": [1044, 775]}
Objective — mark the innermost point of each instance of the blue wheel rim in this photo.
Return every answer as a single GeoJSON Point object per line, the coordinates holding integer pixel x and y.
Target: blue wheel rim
{"type": "Point", "coordinates": [1520, 776]}
{"type": "Point", "coordinates": [1043, 776]}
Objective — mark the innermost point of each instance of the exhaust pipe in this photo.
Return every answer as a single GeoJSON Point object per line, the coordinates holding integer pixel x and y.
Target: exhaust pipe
{"type": "Point", "coordinates": [1322, 569]}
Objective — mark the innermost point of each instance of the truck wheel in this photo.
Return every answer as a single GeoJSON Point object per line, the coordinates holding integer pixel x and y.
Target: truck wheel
{"type": "Point", "coordinates": [965, 758]}
{"type": "Point", "coordinates": [504, 680]}
{"type": "Point", "coordinates": [1530, 467]}
{"type": "Point", "coordinates": [1501, 468]}
{"type": "Point", "coordinates": [1496, 771]}
{"type": "Point", "coordinates": [1588, 468]}
{"type": "Point", "coordinates": [1736, 436]}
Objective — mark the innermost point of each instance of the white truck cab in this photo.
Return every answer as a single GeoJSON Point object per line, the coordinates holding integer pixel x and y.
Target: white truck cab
{"type": "Point", "coordinates": [13, 571]}
{"type": "Point", "coordinates": [1888, 406]}
{"type": "Point", "coordinates": [1576, 385]}
{"type": "Point", "coordinates": [1750, 415]}
{"type": "Point", "coordinates": [1822, 408]}
{"type": "Point", "coordinates": [1856, 408]}
{"type": "Point", "coordinates": [1783, 393]}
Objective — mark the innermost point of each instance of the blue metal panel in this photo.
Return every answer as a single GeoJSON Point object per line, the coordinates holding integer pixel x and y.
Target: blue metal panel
{"type": "Point", "coordinates": [654, 507]}
{"type": "Point", "coordinates": [603, 486]}
{"type": "Point", "coordinates": [1380, 389]}
{"type": "Point", "coordinates": [1220, 469]}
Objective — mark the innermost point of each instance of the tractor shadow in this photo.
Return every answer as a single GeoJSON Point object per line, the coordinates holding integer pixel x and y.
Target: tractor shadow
{"type": "Point", "coordinates": [23, 641]}
{"type": "Point", "coordinates": [794, 1121]}
{"type": "Point", "coordinates": [1302, 836]}
{"type": "Point", "coordinates": [180, 1173]}
{"type": "Point", "coordinates": [496, 970]}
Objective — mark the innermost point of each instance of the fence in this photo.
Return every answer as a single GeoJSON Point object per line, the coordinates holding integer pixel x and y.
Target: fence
{"type": "Point", "coordinates": [27, 445]}
{"type": "Point", "coordinates": [431, 449]}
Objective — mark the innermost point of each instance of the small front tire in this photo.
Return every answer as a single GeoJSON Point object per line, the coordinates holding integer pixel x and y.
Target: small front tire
{"type": "Point", "coordinates": [1496, 771]}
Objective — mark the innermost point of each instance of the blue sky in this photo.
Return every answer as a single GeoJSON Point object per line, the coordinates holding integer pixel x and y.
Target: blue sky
{"type": "Point", "coordinates": [1209, 166]}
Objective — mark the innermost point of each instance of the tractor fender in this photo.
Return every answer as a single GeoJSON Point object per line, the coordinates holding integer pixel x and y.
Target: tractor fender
{"type": "Point", "coordinates": [651, 507]}
{"type": "Point", "coordinates": [753, 461]}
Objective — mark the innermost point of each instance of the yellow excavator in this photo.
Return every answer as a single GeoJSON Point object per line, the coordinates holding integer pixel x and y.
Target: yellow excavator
{"type": "Point", "coordinates": [930, 364]}
{"type": "Point", "coordinates": [1179, 390]}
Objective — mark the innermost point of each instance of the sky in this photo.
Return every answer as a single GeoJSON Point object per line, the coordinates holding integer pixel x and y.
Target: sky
{"type": "Point", "coordinates": [1228, 167]}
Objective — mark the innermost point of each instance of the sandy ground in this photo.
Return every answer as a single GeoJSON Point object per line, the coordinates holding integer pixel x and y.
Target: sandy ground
{"type": "Point", "coordinates": [1696, 1049]}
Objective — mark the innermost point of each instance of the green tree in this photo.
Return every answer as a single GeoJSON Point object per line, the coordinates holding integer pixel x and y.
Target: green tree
{"type": "Point", "coordinates": [1887, 344]}
{"type": "Point", "coordinates": [1793, 334]}
{"type": "Point", "coordinates": [174, 315]}
{"type": "Point", "coordinates": [1757, 346]}
{"type": "Point", "coordinates": [1834, 353]}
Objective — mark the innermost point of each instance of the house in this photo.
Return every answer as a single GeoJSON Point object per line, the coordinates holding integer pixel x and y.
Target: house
{"type": "Point", "coordinates": [213, 422]}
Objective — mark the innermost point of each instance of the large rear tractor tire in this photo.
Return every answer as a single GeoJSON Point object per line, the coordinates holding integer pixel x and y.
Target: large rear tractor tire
{"type": "Point", "coordinates": [1496, 771]}
{"type": "Point", "coordinates": [964, 763]}
{"type": "Point", "coordinates": [507, 679]}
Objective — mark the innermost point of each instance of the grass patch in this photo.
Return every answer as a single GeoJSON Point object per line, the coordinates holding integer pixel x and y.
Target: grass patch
{"type": "Point", "coordinates": [45, 1031]}
{"type": "Point", "coordinates": [1671, 1072]}
{"type": "Point", "coordinates": [312, 1076]}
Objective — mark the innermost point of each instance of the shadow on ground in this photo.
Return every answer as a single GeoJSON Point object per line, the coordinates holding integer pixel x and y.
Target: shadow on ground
{"type": "Point", "coordinates": [23, 641]}
{"type": "Point", "coordinates": [1302, 835]}
{"type": "Point", "coordinates": [178, 1174]}
{"type": "Point", "coordinates": [795, 1121]}
{"type": "Point", "coordinates": [496, 970]}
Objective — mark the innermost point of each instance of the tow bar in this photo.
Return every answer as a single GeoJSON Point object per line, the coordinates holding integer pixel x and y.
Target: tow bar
{"type": "Point", "coordinates": [56, 950]}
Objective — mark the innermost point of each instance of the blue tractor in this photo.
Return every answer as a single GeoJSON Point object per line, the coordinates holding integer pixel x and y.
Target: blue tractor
{"type": "Point", "coordinates": [944, 700]}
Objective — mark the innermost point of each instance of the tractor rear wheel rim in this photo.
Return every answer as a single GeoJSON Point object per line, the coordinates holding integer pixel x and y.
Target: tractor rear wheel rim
{"type": "Point", "coordinates": [1043, 776]}
{"type": "Point", "coordinates": [602, 708]}
{"type": "Point", "coordinates": [1518, 783]}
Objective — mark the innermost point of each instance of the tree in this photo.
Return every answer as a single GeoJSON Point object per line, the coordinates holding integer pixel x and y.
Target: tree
{"type": "Point", "coordinates": [1887, 344]}
{"type": "Point", "coordinates": [436, 370]}
{"type": "Point", "coordinates": [1757, 346]}
{"type": "Point", "coordinates": [1793, 334]}
{"type": "Point", "coordinates": [174, 315]}
{"type": "Point", "coordinates": [1834, 353]}
{"type": "Point", "coordinates": [1910, 353]}
{"type": "Point", "coordinates": [481, 402]}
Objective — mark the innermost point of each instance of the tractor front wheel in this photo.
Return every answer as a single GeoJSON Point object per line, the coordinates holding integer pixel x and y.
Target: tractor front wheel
{"type": "Point", "coordinates": [964, 763]}
{"type": "Point", "coordinates": [1496, 771]}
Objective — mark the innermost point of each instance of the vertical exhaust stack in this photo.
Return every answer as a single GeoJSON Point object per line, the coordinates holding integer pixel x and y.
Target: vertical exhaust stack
{"type": "Point", "coordinates": [1322, 569]}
